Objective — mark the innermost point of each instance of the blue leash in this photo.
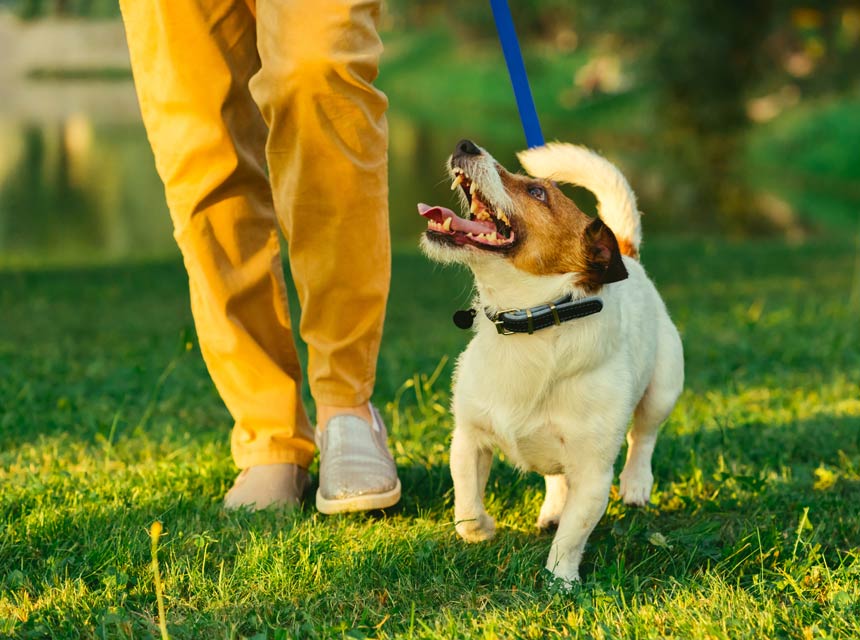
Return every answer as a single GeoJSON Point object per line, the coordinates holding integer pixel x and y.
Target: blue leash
{"type": "Point", "coordinates": [517, 71]}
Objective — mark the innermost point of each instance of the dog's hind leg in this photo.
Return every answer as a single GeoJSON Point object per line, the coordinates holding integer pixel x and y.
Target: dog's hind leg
{"type": "Point", "coordinates": [553, 502]}
{"type": "Point", "coordinates": [470, 469]}
{"type": "Point", "coordinates": [653, 409]}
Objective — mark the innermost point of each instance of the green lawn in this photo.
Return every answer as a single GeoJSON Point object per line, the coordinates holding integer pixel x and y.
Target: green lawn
{"type": "Point", "coordinates": [110, 422]}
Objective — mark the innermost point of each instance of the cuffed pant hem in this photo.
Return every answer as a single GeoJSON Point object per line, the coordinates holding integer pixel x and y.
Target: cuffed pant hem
{"type": "Point", "coordinates": [300, 457]}
{"type": "Point", "coordinates": [340, 399]}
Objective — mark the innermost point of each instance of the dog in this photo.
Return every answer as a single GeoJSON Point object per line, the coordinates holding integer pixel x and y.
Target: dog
{"type": "Point", "coordinates": [571, 339]}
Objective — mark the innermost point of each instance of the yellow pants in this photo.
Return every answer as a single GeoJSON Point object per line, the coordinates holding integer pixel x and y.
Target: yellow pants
{"type": "Point", "coordinates": [228, 88]}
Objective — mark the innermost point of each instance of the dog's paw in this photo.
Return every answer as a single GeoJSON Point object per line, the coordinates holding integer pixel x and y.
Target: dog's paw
{"type": "Point", "coordinates": [478, 529]}
{"type": "Point", "coordinates": [562, 580]}
{"type": "Point", "coordinates": [636, 486]}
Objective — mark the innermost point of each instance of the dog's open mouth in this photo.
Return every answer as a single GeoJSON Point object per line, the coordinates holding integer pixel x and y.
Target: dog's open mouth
{"type": "Point", "coordinates": [485, 228]}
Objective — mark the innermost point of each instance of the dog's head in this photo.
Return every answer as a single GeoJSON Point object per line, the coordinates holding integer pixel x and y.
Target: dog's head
{"type": "Point", "coordinates": [526, 221]}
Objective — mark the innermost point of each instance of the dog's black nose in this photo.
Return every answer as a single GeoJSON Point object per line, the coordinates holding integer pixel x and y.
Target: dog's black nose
{"type": "Point", "coordinates": [467, 147]}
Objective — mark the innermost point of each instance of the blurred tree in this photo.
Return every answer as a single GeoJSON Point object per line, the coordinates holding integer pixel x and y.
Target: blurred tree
{"type": "Point", "coordinates": [474, 20]}
{"type": "Point", "coordinates": [705, 62]}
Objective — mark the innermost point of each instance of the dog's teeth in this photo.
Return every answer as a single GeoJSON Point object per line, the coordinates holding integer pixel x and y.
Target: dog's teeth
{"type": "Point", "coordinates": [447, 224]}
{"type": "Point", "coordinates": [457, 180]}
{"type": "Point", "coordinates": [474, 207]}
{"type": "Point", "coordinates": [492, 236]}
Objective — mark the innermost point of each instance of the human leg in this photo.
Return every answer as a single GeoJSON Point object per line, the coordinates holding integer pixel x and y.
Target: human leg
{"type": "Point", "coordinates": [192, 62]}
{"type": "Point", "coordinates": [327, 156]}
{"type": "Point", "coordinates": [327, 153]}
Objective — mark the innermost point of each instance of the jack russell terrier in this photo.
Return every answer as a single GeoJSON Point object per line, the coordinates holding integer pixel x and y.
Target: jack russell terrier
{"type": "Point", "coordinates": [572, 339]}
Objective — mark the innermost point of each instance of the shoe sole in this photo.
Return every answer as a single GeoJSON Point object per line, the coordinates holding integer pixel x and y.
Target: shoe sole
{"type": "Point", "coordinates": [367, 502]}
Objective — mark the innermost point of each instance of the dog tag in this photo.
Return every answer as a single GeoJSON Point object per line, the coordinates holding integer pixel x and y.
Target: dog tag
{"type": "Point", "coordinates": [464, 318]}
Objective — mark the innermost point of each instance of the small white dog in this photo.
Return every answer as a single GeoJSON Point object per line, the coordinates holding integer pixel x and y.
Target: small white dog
{"type": "Point", "coordinates": [572, 339]}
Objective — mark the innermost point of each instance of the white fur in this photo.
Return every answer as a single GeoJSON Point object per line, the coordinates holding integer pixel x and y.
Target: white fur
{"type": "Point", "coordinates": [580, 166]}
{"type": "Point", "coordinates": [559, 401]}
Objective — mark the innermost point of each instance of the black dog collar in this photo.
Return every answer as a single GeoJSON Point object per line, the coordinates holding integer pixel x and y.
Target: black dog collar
{"type": "Point", "coordinates": [534, 318]}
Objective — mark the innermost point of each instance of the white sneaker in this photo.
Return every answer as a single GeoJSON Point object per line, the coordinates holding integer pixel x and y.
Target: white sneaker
{"type": "Point", "coordinates": [357, 472]}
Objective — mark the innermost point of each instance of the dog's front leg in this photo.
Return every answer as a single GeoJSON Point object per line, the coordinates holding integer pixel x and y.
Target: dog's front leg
{"type": "Point", "coordinates": [587, 497]}
{"type": "Point", "coordinates": [470, 468]}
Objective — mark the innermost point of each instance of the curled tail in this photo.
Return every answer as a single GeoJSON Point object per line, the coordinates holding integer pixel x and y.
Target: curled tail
{"type": "Point", "coordinates": [577, 165]}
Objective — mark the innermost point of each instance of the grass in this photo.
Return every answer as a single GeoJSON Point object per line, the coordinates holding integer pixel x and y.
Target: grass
{"type": "Point", "coordinates": [110, 423]}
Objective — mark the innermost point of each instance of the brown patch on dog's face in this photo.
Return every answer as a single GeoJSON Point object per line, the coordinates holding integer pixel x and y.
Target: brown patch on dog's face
{"type": "Point", "coordinates": [556, 237]}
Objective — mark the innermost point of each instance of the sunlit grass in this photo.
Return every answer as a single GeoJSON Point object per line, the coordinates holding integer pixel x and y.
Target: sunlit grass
{"type": "Point", "coordinates": [109, 424]}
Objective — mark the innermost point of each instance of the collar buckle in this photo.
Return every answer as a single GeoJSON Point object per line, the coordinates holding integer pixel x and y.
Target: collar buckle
{"type": "Point", "coordinates": [500, 323]}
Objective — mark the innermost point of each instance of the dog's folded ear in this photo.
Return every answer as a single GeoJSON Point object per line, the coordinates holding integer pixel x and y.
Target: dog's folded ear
{"type": "Point", "coordinates": [602, 257]}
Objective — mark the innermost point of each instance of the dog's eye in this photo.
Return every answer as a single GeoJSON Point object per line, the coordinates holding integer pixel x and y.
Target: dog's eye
{"type": "Point", "coordinates": [538, 193]}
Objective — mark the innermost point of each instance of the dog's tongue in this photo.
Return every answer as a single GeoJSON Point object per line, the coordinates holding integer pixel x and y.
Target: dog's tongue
{"type": "Point", "coordinates": [440, 214]}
